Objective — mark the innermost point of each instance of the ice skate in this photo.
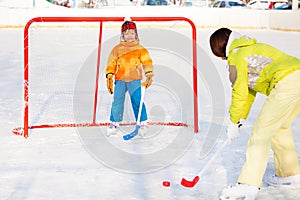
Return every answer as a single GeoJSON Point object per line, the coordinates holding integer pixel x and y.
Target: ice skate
{"type": "Point", "coordinates": [113, 129]}
{"type": "Point", "coordinates": [239, 192]}
{"type": "Point", "coordinates": [288, 182]}
{"type": "Point", "coordinates": [143, 129]}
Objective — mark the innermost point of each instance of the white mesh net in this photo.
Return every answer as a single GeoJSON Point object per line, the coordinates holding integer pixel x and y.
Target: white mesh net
{"type": "Point", "coordinates": [63, 65]}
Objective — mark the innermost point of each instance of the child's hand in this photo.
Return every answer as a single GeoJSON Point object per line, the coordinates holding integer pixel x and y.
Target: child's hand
{"type": "Point", "coordinates": [149, 80]}
{"type": "Point", "coordinates": [110, 84]}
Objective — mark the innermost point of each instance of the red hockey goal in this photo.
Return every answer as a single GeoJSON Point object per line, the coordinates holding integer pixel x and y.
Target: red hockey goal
{"type": "Point", "coordinates": [94, 121]}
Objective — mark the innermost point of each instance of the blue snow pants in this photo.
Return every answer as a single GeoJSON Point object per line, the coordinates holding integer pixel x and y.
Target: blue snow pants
{"type": "Point", "coordinates": [134, 90]}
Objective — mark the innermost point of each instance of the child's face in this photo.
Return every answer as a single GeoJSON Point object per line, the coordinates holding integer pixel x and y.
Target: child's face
{"type": "Point", "coordinates": [129, 35]}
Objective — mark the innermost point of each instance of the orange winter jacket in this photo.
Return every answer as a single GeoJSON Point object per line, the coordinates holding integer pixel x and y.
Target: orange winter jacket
{"type": "Point", "coordinates": [126, 61]}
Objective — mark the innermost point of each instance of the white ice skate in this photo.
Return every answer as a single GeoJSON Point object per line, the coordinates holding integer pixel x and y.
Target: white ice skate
{"type": "Point", "coordinates": [113, 129]}
{"type": "Point", "coordinates": [239, 192]}
{"type": "Point", "coordinates": [143, 129]}
{"type": "Point", "coordinates": [288, 182]}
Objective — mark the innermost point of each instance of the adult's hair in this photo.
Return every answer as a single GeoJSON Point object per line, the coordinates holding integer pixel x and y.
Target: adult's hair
{"type": "Point", "coordinates": [218, 41]}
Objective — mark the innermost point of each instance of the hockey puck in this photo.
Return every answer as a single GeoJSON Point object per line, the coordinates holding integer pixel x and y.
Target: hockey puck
{"type": "Point", "coordinates": [166, 183]}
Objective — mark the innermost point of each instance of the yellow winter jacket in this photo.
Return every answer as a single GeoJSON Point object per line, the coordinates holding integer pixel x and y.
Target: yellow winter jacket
{"type": "Point", "coordinates": [126, 61]}
{"type": "Point", "coordinates": [255, 67]}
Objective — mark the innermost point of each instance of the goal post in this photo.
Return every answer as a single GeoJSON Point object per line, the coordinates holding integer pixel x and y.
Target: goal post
{"type": "Point", "coordinates": [97, 71]}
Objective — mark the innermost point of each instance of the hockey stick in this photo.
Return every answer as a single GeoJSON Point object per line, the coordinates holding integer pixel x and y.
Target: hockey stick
{"type": "Point", "coordinates": [137, 126]}
{"type": "Point", "coordinates": [192, 183]}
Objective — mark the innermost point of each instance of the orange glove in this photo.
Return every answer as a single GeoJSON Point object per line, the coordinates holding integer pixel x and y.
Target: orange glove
{"type": "Point", "coordinates": [110, 83]}
{"type": "Point", "coordinates": [149, 80]}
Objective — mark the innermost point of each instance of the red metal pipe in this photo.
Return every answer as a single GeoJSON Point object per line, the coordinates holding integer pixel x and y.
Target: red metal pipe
{"type": "Point", "coordinates": [97, 73]}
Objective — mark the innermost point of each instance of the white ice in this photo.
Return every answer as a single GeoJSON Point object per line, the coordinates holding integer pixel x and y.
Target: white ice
{"type": "Point", "coordinates": [54, 163]}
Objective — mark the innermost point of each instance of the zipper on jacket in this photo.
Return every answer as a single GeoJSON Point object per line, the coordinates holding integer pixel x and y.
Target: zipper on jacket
{"type": "Point", "coordinates": [118, 66]}
{"type": "Point", "coordinates": [137, 69]}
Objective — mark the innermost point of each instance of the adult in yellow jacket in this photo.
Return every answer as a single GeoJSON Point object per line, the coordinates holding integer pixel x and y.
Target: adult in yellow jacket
{"type": "Point", "coordinates": [124, 72]}
{"type": "Point", "coordinates": [257, 67]}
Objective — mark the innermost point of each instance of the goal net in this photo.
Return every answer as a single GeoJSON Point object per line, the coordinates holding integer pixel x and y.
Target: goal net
{"type": "Point", "coordinates": [64, 71]}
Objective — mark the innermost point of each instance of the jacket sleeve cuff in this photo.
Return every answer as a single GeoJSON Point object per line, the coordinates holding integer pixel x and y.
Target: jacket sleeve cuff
{"type": "Point", "coordinates": [109, 74]}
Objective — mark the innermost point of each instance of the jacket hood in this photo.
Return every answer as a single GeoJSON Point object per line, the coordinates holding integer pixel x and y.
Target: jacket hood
{"type": "Point", "coordinates": [237, 40]}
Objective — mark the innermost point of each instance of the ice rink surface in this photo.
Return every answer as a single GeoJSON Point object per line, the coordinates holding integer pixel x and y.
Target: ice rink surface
{"type": "Point", "coordinates": [56, 163]}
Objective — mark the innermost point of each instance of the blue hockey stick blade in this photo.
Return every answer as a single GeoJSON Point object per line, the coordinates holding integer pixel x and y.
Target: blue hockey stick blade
{"type": "Point", "coordinates": [132, 134]}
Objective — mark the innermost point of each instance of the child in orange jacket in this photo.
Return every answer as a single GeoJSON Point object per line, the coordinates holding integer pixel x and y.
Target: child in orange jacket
{"type": "Point", "coordinates": [125, 66]}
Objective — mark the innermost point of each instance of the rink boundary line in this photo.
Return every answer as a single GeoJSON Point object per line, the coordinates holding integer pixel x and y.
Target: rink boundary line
{"type": "Point", "coordinates": [149, 26]}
